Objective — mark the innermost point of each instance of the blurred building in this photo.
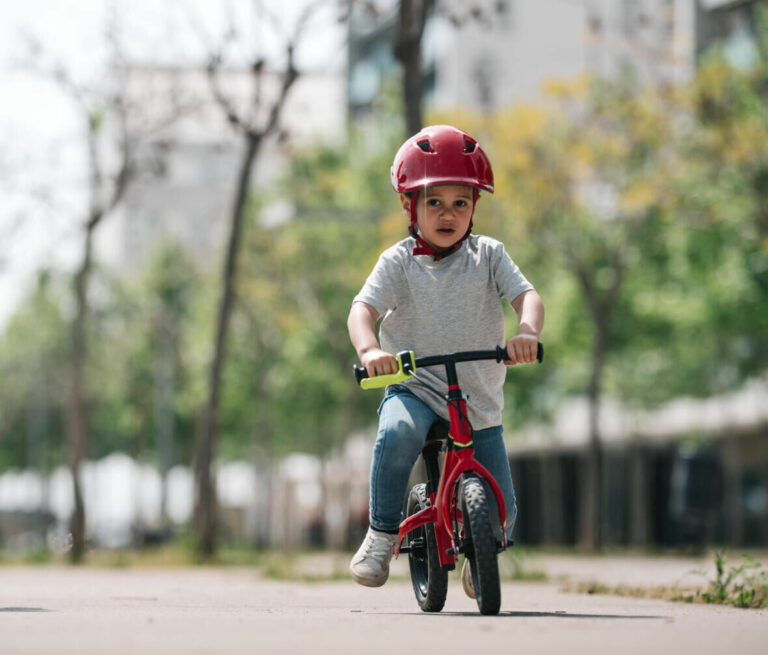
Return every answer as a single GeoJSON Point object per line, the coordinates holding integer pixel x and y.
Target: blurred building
{"type": "Point", "coordinates": [733, 26]}
{"type": "Point", "coordinates": [504, 53]}
{"type": "Point", "coordinates": [190, 163]}
{"type": "Point", "coordinates": [494, 53]}
{"type": "Point", "coordinates": [690, 474]}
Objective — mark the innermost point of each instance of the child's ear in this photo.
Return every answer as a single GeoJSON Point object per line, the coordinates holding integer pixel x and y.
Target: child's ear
{"type": "Point", "coordinates": [405, 201]}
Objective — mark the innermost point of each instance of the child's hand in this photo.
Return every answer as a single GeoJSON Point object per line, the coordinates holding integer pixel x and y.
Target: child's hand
{"type": "Point", "coordinates": [378, 362]}
{"type": "Point", "coordinates": [522, 349]}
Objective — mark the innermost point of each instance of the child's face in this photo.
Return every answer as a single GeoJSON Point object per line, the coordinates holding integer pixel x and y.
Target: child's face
{"type": "Point", "coordinates": [442, 213]}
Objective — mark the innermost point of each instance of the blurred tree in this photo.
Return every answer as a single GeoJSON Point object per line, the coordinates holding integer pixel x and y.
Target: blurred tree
{"type": "Point", "coordinates": [257, 123]}
{"type": "Point", "coordinates": [170, 282]}
{"type": "Point", "coordinates": [114, 124]}
{"type": "Point", "coordinates": [33, 364]}
{"type": "Point", "coordinates": [297, 282]}
{"type": "Point", "coordinates": [139, 365]}
{"type": "Point", "coordinates": [586, 186]}
{"type": "Point", "coordinates": [413, 16]}
{"type": "Point", "coordinates": [728, 204]}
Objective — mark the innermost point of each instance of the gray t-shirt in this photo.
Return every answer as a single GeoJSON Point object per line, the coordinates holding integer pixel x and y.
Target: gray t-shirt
{"type": "Point", "coordinates": [451, 305]}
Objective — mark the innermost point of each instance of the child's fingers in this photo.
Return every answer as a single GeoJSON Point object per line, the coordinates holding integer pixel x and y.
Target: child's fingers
{"type": "Point", "coordinates": [387, 366]}
{"type": "Point", "coordinates": [528, 351]}
{"type": "Point", "coordinates": [383, 364]}
{"type": "Point", "coordinates": [522, 349]}
{"type": "Point", "coordinates": [512, 360]}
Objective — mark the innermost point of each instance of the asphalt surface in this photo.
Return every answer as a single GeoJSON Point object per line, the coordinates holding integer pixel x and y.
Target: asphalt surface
{"type": "Point", "coordinates": [226, 610]}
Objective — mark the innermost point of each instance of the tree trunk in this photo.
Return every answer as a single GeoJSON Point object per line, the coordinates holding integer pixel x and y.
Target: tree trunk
{"type": "Point", "coordinates": [166, 338]}
{"type": "Point", "coordinates": [601, 303]}
{"type": "Point", "coordinates": [407, 50]}
{"type": "Point", "coordinates": [207, 511]}
{"type": "Point", "coordinates": [591, 524]}
{"type": "Point", "coordinates": [639, 497]}
{"type": "Point", "coordinates": [77, 421]}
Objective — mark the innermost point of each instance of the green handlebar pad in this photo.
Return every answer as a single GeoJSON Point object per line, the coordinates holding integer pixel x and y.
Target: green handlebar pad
{"type": "Point", "coordinates": [380, 381]}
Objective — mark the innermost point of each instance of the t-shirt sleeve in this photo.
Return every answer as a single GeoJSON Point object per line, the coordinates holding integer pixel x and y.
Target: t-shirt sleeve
{"type": "Point", "coordinates": [379, 289]}
{"type": "Point", "coordinates": [510, 282]}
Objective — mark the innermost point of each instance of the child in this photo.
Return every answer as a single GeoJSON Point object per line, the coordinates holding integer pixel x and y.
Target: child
{"type": "Point", "coordinates": [438, 291]}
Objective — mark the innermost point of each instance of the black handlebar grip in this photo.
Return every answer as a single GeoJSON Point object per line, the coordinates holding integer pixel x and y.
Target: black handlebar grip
{"type": "Point", "coordinates": [360, 373]}
{"type": "Point", "coordinates": [540, 352]}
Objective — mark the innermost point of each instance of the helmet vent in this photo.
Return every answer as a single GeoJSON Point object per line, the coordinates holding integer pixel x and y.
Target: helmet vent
{"type": "Point", "coordinates": [425, 146]}
{"type": "Point", "coordinates": [469, 146]}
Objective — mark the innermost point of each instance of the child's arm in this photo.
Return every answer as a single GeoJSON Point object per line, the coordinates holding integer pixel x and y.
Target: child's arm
{"type": "Point", "coordinates": [362, 332]}
{"type": "Point", "coordinates": [530, 312]}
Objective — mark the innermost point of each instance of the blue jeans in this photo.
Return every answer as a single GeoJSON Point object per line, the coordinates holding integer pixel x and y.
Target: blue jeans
{"type": "Point", "coordinates": [404, 421]}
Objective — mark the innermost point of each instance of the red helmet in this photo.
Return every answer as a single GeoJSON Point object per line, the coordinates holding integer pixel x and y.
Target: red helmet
{"type": "Point", "coordinates": [441, 154]}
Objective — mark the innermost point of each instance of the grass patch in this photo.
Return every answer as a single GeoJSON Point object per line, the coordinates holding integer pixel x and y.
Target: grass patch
{"type": "Point", "coordinates": [744, 585]}
{"type": "Point", "coordinates": [515, 567]}
{"type": "Point", "coordinates": [285, 565]}
{"type": "Point", "coordinates": [305, 567]}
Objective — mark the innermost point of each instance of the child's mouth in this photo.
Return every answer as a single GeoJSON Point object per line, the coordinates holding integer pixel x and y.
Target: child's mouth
{"type": "Point", "coordinates": [446, 230]}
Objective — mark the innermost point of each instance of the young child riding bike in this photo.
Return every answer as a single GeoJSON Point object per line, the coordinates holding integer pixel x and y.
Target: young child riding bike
{"type": "Point", "coordinates": [439, 290]}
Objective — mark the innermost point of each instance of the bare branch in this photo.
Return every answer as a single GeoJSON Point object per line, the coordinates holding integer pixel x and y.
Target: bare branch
{"type": "Point", "coordinates": [258, 69]}
{"type": "Point", "coordinates": [127, 145]}
{"type": "Point", "coordinates": [221, 99]}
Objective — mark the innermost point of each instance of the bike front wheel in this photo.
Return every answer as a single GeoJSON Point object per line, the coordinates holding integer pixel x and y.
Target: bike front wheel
{"type": "Point", "coordinates": [479, 544]}
{"type": "Point", "coordinates": [430, 581]}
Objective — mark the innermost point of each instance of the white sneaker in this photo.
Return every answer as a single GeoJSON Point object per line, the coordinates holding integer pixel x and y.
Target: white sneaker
{"type": "Point", "coordinates": [370, 565]}
{"type": "Point", "coordinates": [466, 580]}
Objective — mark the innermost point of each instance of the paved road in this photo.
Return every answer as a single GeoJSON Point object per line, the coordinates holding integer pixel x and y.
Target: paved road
{"type": "Point", "coordinates": [191, 611]}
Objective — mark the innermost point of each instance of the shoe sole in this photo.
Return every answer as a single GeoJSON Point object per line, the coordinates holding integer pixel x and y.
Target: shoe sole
{"type": "Point", "coordinates": [368, 582]}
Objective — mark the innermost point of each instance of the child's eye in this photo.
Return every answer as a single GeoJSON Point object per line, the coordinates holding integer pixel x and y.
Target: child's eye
{"type": "Point", "coordinates": [461, 203]}
{"type": "Point", "coordinates": [433, 202]}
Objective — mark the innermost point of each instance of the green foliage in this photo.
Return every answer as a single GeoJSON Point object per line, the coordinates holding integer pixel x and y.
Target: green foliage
{"type": "Point", "coordinates": [745, 585]}
{"type": "Point", "coordinates": [33, 368]}
{"type": "Point", "coordinates": [647, 188]}
{"type": "Point", "coordinates": [137, 342]}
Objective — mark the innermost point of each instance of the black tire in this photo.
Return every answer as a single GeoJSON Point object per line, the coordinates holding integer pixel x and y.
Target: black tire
{"type": "Point", "coordinates": [480, 545]}
{"type": "Point", "coordinates": [430, 581]}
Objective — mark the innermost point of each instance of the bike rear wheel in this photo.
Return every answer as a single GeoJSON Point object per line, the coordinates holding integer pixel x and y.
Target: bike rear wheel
{"type": "Point", "coordinates": [479, 545]}
{"type": "Point", "coordinates": [430, 581]}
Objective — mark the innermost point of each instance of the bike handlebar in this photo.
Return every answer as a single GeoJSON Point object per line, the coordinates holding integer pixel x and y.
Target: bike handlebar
{"type": "Point", "coordinates": [407, 364]}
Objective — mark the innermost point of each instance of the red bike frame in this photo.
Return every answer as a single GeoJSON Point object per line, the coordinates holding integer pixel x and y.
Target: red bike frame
{"type": "Point", "coordinates": [459, 459]}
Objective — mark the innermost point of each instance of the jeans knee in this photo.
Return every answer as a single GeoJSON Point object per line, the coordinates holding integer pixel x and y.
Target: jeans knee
{"type": "Point", "coordinates": [401, 443]}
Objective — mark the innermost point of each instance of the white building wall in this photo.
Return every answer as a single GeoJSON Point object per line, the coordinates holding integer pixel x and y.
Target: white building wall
{"type": "Point", "coordinates": [485, 66]}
